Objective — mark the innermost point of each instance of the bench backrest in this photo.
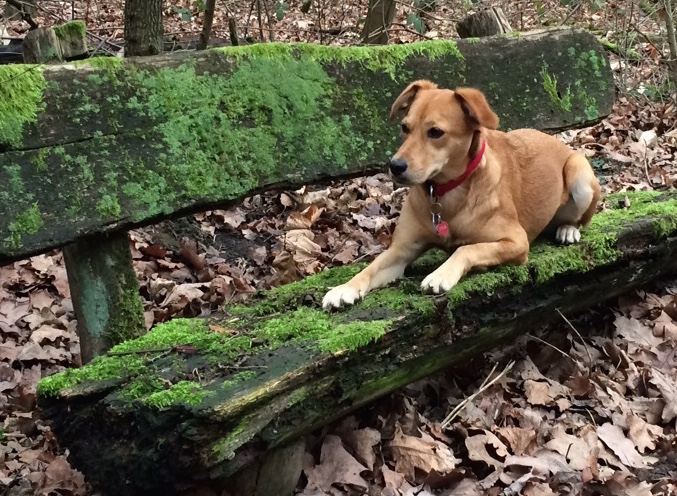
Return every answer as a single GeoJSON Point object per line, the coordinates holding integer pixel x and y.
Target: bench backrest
{"type": "Point", "coordinates": [110, 144]}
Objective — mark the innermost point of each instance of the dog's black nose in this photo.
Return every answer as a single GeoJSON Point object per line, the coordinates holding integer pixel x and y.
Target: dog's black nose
{"type": "Point", "coordinates": [398, 166]}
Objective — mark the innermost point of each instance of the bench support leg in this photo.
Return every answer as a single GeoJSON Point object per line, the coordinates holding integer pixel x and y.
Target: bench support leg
{"type": "Point", "coordinates": [276, 474]}
{"type": "Point", "coordinates": [105, 292]}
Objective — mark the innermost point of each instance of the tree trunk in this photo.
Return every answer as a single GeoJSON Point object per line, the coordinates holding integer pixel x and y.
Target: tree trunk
{"type": "Point", "coordinates": [143, 27]}
{"type": "Point", "coordinates": [672, 38]}
{"type": "Point", "coordinates": [486, 23]}
{"type": "Point", "coordinates": [207, 24]}
{"type": "Point", "coordinates": [379, 18]}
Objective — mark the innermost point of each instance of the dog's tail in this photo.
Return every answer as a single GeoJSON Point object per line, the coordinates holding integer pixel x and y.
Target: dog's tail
{"type": "Point", "coordinates": [583, 186]}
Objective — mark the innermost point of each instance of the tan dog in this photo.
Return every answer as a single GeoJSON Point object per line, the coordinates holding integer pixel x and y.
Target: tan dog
{"type": "Point", "coordinates": [485, 192]}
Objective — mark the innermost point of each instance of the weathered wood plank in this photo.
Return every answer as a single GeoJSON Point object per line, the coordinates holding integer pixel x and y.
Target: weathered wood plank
{"type": "Point", "coordinates": [266, 373]}
{"type": "Point", "coordinates": [112, 144]}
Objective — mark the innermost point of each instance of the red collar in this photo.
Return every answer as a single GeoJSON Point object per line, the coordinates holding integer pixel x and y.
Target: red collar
{"type": "Point", "coordinates": [439, 190]}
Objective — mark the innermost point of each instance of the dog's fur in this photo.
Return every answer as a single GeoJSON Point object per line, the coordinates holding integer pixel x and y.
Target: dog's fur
{"type": "Point", "coordinates": [527, 182]}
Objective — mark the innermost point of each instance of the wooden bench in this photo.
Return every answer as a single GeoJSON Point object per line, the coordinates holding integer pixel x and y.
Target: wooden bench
{"type": "Point", "coordinates": [91, 150]}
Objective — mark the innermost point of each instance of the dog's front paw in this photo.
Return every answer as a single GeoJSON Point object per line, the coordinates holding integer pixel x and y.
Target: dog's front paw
{"type": "Point", "coordinates": [440, 281]}
{"type": "Point", "coordinates": [339, 296]}
{"type": "Point", "coordinates": [567, 235]}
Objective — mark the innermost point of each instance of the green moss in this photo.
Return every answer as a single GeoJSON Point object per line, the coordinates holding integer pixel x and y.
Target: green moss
{"type": "Point", "coordinates": [386, 58]}
{"type": "Point", "coordinates": [108, 206]}
{"type": "Point", "coordinates": [293, 294]}
{"type": "Point", "coordinates": [127, 320]}
{"type": "Point", "coordinates": [28, 222]}
{"type": "Point", "coordinates": [472, 40]}
{"type": "Point", "coordinates": [101, 368]}
{"type": "Point", "coordinates": [239, 377]}
{"type": "Point", "coordinates": [140, 387]}
{"type": "Point", "coordinates": [550, 85]}
{"type": "Point", "coordinates": [181, 393]}
{"type": "Point", "coordinates": [404, 298]}
{"type": "Point", "coordinates": [39, 160]}
{"type": "Point", "coordinates": [309, 325]}
{"type": "Point", "coordinates": [20, 100]}
{"type": "Point", "coordinates": [71, 30]}
{"type": "Point", "coordinates": [488, 282]}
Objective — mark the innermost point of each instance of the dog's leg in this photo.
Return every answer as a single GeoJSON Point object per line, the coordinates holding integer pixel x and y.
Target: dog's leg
{"type": "Point", "coordinates": [513, 249]}
{"type": "Point", "coordinates": [584, 191]}
{"type": "Point", "coordinates": [409, 242]}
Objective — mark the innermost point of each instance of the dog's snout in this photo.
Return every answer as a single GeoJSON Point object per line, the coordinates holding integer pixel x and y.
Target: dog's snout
{"type": "Point", "coordinates": [398, 166]}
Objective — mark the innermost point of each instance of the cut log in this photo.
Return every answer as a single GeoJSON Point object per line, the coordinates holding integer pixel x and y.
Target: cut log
{"type": "Point", "coordinates": [489, 22]}
{"type": "Point", "coordinates": [110, 144]}
{"type": "Point", "coordinates": [266, 373]}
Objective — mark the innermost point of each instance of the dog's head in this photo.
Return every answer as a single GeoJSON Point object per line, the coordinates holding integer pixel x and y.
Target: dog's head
{"type": "Point", "coordinates": [438, 126]}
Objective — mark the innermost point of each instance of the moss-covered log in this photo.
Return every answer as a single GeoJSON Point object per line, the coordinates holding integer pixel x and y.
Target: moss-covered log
{"type": "Point", "coordinates": [202, 398]}
{"type": "Point", "coordinates": [108, 144]}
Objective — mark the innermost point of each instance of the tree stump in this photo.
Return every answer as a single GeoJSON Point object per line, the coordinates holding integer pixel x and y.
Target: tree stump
{"type": "Point", "coordinates": [55, 44]}
{"type": "Point", "coordinates": [486, 23]}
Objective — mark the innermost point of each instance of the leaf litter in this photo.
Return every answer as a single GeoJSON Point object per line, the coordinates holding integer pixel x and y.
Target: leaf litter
{"type": "Point", "coordinates": [599, 419]}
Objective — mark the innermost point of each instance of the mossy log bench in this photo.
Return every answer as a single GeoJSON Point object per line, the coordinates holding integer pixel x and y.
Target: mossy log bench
{"type": "Point", "coordinates": [200, 399]}
{"type": "Point", "coordinates": [89, 150]}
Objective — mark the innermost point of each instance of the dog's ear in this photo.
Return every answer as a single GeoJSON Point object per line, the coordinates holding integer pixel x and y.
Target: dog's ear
{"type": "Point", "coordinates": [476, 108]}
{"type": "Point", "coordinates": [406, 98]}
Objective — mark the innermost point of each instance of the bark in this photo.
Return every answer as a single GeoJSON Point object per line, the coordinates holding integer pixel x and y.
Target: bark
{"type": "Point", "coordinates": [294, 387]}
{"type": "Point", "coordinates": [207, 24]}
{"type": "Point", "coordinates": [379, 18]}
{"type": "Point", "coordinates": [672, 38]}
{"type": "Point", "coordinates": [143, 27]}
{"type": "Point", "coordinates": [127, 143]}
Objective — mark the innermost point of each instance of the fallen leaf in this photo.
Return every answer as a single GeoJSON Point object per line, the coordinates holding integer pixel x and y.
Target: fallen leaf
{"type": "Point", "coordinates": [423, 453]}
{"type": "Point", "coordinates": [643, 434]}
{"type": "Point", "coordinates": [623, 448]}
{"type": "Point", "coordinates": [336, 466]}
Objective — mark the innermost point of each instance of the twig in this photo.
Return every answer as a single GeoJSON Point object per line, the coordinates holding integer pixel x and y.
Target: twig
{"type": "Point", "coordinates": [24, 15]}
{"type": "Point", "coordinates": [571, 13]}
{"type": "Point", "coordinates": [543, 341]}
{"type": "Point", "coordinates": [139, 352]}
{"type": "Point", "coordinates": [251, 9]}
{"type": "Point", "coordinates": [31, 68]}
{"type": "Point", "coordinates": [485, 385]}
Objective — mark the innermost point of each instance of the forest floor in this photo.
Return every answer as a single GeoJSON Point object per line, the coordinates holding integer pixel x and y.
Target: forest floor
{"type": "Point", "coordinates": [590, 404]}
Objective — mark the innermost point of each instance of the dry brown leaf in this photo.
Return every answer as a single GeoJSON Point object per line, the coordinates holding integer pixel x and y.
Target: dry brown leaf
{"type": "Point", "coordinates": [517, 438]}
{"type": "Point", "coordinates": [543, 460]}
{"type": "Point", "coordinates": [362, 443]}
{"type": "Point", "coordinates": [636, 332]}
{"type": "Point", "coordinates": [666, 326]}
{"type": "Point", "coordinates": [668, 388]}
{"type": "Point", "coordinates": [47, 333]}
{"type": "Point", "coordinates": [395, 481]}
{"type": "Point", "coordinates": [423, 453]}
{"type": "Point", "coordinates": [305, 219]}
{"type": "Point", "coordinates": [578, 450]}
{"type": "Point", "coordinates": [336, 466]}
{"type": "Point", "coordinates": [623, 448]}
{"type": "Point", "coordinates": [643, 434]}
{"type": "Point", "coordinates": [477, 448]}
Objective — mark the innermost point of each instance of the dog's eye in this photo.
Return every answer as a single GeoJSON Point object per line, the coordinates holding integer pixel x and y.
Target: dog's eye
{"type": "Point", "coordinates": [435, 133]}
{"type": "Point", "coordinates": [405, 129]}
